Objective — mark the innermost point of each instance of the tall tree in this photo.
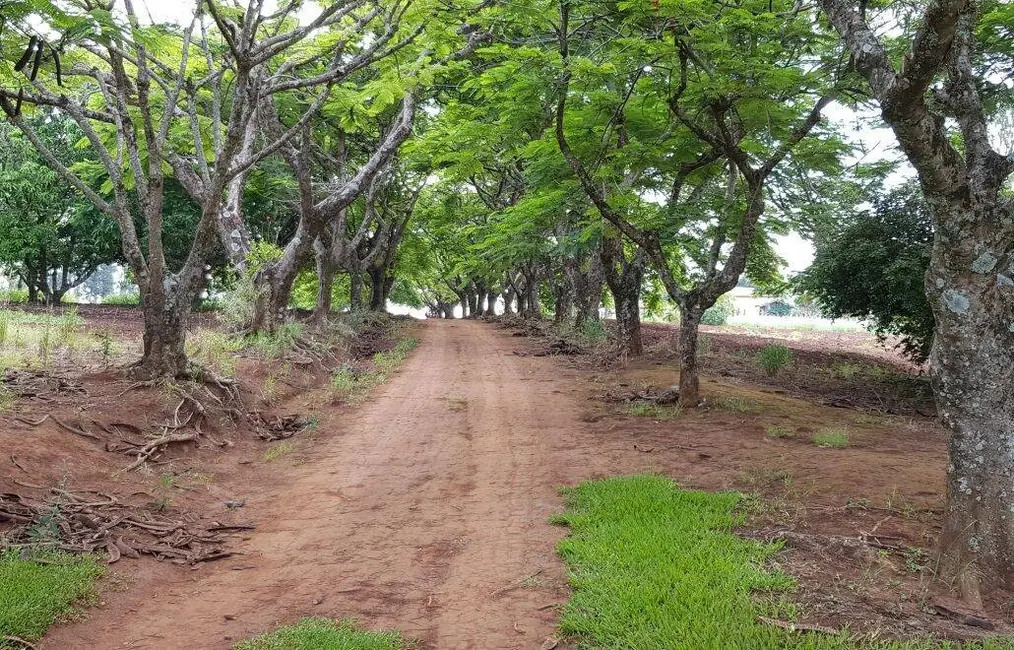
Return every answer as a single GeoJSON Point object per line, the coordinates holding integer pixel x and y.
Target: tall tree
{"type": "Point", "coordinates": [938, 99]}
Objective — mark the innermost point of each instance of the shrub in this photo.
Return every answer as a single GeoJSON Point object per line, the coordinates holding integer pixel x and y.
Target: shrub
{"type": "Point", "coordinates": [774, 358]}
{"type": "Point", "coordinates": [778, 431]}
{"type": "Point", "coordinates": [14, 296]}
{"type": "Point", "coordinates": [718, 314]}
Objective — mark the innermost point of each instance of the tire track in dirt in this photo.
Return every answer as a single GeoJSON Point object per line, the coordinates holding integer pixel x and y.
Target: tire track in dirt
{"type": "Point", "coordinates": [424, 510]}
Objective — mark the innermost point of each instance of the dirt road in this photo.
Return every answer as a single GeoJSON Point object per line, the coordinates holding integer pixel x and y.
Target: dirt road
{"type": "Point", "coordinates": [425, 510]}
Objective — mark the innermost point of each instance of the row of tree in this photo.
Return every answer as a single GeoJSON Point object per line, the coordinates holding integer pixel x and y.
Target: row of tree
{"type": "Point", "coordinates": [530, 153]}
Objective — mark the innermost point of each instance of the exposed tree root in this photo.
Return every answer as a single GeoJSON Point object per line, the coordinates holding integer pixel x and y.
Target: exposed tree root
{"type": "Point", "coordinates": [90, 521]}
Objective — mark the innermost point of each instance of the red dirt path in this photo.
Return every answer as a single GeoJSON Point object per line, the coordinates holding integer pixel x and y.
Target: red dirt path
{"type": "Point", "coordinates": [424, 511]}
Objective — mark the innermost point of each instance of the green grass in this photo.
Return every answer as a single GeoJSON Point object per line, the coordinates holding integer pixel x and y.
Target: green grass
{"type": "Point", "coordinates": [34, 595]}
{"type": "Point", "coordinates": [278, 450]}
{"type": "Point", "coordinates": [836, 437]}
{"type": "Point", "coordinates": [655, 411]}
{"type": "Point", "coordinates": [323, 634]}
{"type": "Point", "coordinates": [779, 431]}
{"type": "Point", "coordinates": [654, 566]}
{"type": "Point", "coordinates": [774, 358]}
{"type": "Point", "coordinates": [737, 404]}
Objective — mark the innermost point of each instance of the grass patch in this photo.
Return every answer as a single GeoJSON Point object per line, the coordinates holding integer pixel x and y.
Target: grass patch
{"type": "Point", "coordinates": [871, 420]}
{"type": "Point", "coordinates": [388, 360]}
{"type": "Point", "coordinates": [835, 437]}
{"type": "Point", "coordinates": [655, 411]}
{"type": "Point", "coordinates": [779, 431]}
{"type": "Point", "coordinates": [736, 403]}
{"type": "Point", "coordinates": [654, 566]}
{"type": "Point", "coordinates": [774, 358]}
{"type": "Point", "coordinates": [323, 634]}
{"type": "Point", "coordinates": [36, 594]}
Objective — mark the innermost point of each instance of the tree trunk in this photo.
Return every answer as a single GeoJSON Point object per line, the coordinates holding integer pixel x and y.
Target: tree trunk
{"type": "Point", "coordinates": [325, 280]}
{"type": "Point", "coordinates": [564, 301]}
{"type": "Point", "coordinates": [378, 283]}
{"type": "Point", "coordinates": [164, 335]}
{"type": "Point", "coordinates": [355, 291]}
{"type": "Point", "coordinates": [508, 301]}
{"type": "Point", "coordinates": [970, 283]}
{"type": "Point", "coordinates": [690, 382]}
{"type": "Point", "coordinates": [624, 279]}
{"type": "Point", "coordinates": [490, 304]}
{"type": "Point", "coordinates": [473, 302]}
{"type": "Point", "coordinates": [586, 285]}
{"type": "Point", "coordinates": [446, 310]}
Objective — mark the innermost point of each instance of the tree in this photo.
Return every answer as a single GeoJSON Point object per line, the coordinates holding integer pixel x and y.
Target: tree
{"type": "Point", "coordinates": [699, 110]}
{"type": "Point", "coordinates": [50, 236]}
{"type": "Point", "coordinates": [872, 266]}
{"type": "Point", "coordinates": [127, 101]}
{"type": "Point", "coordinates": [938, 99]}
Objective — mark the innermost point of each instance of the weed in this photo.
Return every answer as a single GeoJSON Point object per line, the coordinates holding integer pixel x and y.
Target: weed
{"type": "Point", "coordinates": [457, 404]}
{"type": "Point", "coordinates": [845, 370]}
{"type": "Point", "coordinates": [167, 481]}
{"type": "Point", "coordinates": [6, 398]}
{"type": "Point", "coordinates": [870, 420]}
{"type": "Point", "coordinates": [774, 358]}
{"type": "Point", "coordinates": [343, 383]}
{"type": "Point", "coordinates": [737, 404]}
{"type": "Point", "coordinates": [106, 341]}
{"type": "Point", "coordinates": [836, 437]}
{"type": "Point", "coordinates": [779, 431]}
{"type": "Point", "coordinates": [323, 634]}
{"type": "Point", "coordinates": [766, 477]}
{"type": "Point", "coordinates": [162, 504]}
{"type": "Point", "coordinates": [278, 450]}
{"type": "Point", "coordinates": [656, 411]}
{"type": "Point", "coordinates": [38, 590]}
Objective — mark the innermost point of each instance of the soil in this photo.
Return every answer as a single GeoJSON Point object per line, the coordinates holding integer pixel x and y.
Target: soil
{"type": "Point", "coordinates": [427, 508]}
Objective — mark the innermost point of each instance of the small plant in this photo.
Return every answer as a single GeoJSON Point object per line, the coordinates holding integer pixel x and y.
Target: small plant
{"type": "Point", "coordinates": [870, 420]}
{"type": "Point", "coordinates": [774, 358]}
{"type": "Point", "coordinates": [779, 431]}
{"type": "Point", "coordinates": [656, 411]}
{"type": "Point", "coordinates": [106, 343]}
{"type": "Point", "coordinates": [278, 450]}
{"type": "Point", "coordinates": [845, 370]}
{"type": "Point", "coordinates": [343, 383]}
{"type": "Point", "coordinates": [162, 504]}
{"type": "Point", "coordinates": [45, 346]}
{"type": "Point", "coordinates": [737, 404]}
{"type": "Point", "coordinates": [833, 437]}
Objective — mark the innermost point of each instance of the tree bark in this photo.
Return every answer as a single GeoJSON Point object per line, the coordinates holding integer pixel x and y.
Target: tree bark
{"type": "Point", "coordinates": [690, 382]}
{"type": "Point", "coordinates": [624, 277]}
{"type": "Point", "coordinates": [378, 288]}
{"type": "Point", "coordinates": [355, 291]}
{"type": "Point", "coordinates": [326, 270]}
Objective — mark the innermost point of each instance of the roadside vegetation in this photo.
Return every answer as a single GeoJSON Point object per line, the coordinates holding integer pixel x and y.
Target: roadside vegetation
{"type": "Point", "coordinates": [39, 588]}
{"type": "Point", "coordinates": [655, 566]}
{"type": "Point", "coordinates": [323, 634]}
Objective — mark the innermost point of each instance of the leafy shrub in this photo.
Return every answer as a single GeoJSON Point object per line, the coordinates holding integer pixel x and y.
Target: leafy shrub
{"type": "Point", "coordinates": [122, 299]}
{"type": "Point", "coordinates": [14, 296]}
{"type": "Point", "coordinates": [718, 314]}
{"type": "Point", "coordinates": [774, 358]}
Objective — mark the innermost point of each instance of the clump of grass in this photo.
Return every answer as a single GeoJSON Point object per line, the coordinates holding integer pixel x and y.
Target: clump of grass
{"type": "Point", "coordinates": [323, 634]}
{"type": "Point", "coordinates": [275, 344]}
{"type": "Point", "coordinates": [779, 431]}
{"type": "Point", "coordinates": [656, 411]}
{"type": "Point", "coordinates": [845, 370]}
{"type": "Point", "coordinates": [36, 594]}
{"type": "Point", "coordinates": [835, 437]}
{"type": "Point", "coordinates": [388, 360]}
{"type": "Point", "coordinates": [122, 299]}
{"type": "Point", "coordinates": [213, 350]}
{"type": "Point", "coordinates": [343, 383]}
{"type": "Point", "coordinates": [736, 403]}
{"type": "Point", "coordinates": [774, 358]}
{"type": "Point", "coordinates": [278, 450]}
{"type": "Point", "coordinates": [870, 420]}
